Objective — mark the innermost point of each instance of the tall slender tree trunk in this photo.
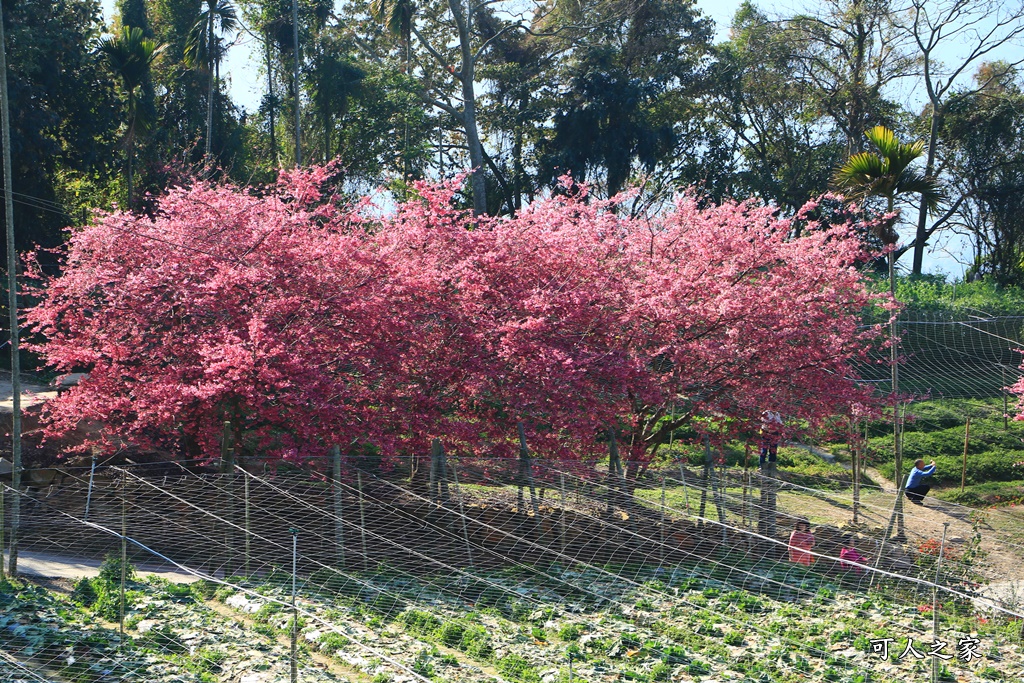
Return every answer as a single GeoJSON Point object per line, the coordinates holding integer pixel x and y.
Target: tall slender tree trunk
{"type": "Point", "coordinates": [272, 103]}
{"type": "Point", "coordinates": [298, 110]}
{"type": "Point", "coordinates": [130, 170]}
{"type": "Point", "coordinates": [921, 237]}
{"type": "Point", "coordinates": [463, 21]}
{"type": "Point", "coordinates": [209, 101]}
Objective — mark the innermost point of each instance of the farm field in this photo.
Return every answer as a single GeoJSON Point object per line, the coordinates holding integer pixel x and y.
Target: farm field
{"type": "Point", "coordinates": [456, 607]}
{"type": "Point", "coordinates": [660, 624]}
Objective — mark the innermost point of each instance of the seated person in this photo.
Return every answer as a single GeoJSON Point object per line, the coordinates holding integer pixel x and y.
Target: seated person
{"type": "Point", "coordinates": [916, 488]}
{"type": "Point", "coordinates": [851, 555]}
{"type": "Point", "coordinates": [800, 541]}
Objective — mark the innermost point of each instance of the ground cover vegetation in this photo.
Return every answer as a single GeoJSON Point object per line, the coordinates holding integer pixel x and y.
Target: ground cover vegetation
{"type": "Point", "coordinates": [745, 621]}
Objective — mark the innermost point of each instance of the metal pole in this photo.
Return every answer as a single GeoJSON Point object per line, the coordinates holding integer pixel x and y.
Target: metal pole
{"type": "Point", "coordinates": [967, 439]}
{"type": "Point", "coordinates": [12, 306]}
{"type": "Point", "coordinates": [935, 603]}
{"type": "Point", "coordinates": [686, 495]}
{"type": "Point", "coordinates": [3, 487]}
{"type": "Point", "coordinates": [88, 495]}
{"type": "Point", "coordinates": [561, 517]}
{"type": "Point", "coordinates": [295, 610]}
{"type": "Point", "coordinates": [298, 111]}
{"type": "Point", "coordinates": [897, 441]}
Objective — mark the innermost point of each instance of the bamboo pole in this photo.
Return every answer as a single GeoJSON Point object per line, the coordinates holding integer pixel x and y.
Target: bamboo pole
{"type": "Point", "coordinates": [614, 467]}
{"type": "Point", "coordinates": [935, 603]}
{"type": "Point", "coordinates": [88, 494]}
{"type": "Point", "coordinates": [3, 487]}
{"type": "Point", "coordinates": [857, 447]}
{"type": "Point", "coordinates": [339, 526]}
{"type": "Point", "coordinates": [661, 527]}
{"type": "Point", "coordinates": [227, 467]}
{"type": "Point", "coordinates": [124, 559]}
{"type": "Point", "coordinates": [561, 517]}
{"type": "Point", "coordinates": [248, 549]}
{"type": "Point", "coordinates": [435, 446]}
{"type": "Point", "coordinates": [462, 515]}
{"type": "Point", "coordinates": [295, 610]}
{"type": "Point", "coordinates": [967, 439]}
{"type": "Point", "coordinates": [362, 516]}
{"type": "Point", "coordinates": [686, 493]}
{"type": "Point", "coordinates": [746, 481]}
{"type": "Point", "coordinates": [526, 470]}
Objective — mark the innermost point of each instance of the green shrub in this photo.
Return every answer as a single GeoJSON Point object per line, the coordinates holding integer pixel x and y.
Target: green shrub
{"type": "Point", "coordinates": [84, 593]}
{"type": "Point", "coordinates": [110, 570]}
{"type": "Point", "coordinates": [332, 642]}
{"type": "Point", "coordinates": [450, 633]}
{"type": "Point", "coordinates": [476, 643]}
{"type": "Point", "coordinates": [517, 668]}
{"type": "Point", "coordinates": [733, 638]}
{"type": "Point", "coordinates": [570, 632]}
{"type": "Point", "coordinates": [203, 589]}
{"type": "Point", "coordinates": [420, 622]}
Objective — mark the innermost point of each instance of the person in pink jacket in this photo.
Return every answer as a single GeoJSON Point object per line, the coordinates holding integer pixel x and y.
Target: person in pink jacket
{"type": "Point", "coordinates": [800, 541]}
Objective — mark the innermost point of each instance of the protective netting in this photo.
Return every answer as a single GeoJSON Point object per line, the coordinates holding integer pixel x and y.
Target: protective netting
{"type": "Point", "coordinates": [962, 356]}
{"type": "Point", "coordinates": [476, 573]}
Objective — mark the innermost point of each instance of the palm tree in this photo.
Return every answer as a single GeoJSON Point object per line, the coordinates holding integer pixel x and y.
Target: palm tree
{"type": "Point", "coordinates": [396, 16]}
{"type": "Point", "coordinates": [887, 173]}
{"type": "Point", "coordinates": [130, 56]}
{"type": "Point", "coordinates": [205, 49]}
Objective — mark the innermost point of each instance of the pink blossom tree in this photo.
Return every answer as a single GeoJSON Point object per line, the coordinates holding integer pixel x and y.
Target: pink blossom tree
{"type": "Point", "coordinates": [307, 323]}
{"type": "Point", "coordinates": [732, 316]}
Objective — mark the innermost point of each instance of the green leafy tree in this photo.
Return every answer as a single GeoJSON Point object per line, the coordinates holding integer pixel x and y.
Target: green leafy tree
{"type": "Point", "coordinates": [784, 150]}
{"type": "Point", "coordinates": [64, 113]}
{"type": "Point", "coordinates": [984, 156]}
{"type": "Point", "coordinates": [977, 29]}
{"type": "Point", "coordinates": [627, 80]}
{"type": "Point", "coordinates": [130, 56]}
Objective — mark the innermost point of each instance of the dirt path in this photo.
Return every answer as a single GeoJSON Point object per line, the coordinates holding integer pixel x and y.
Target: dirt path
{"type": "Point", "coordinates": [1002, 530]}
{"type": "Point", "coordinates": [74, 568]}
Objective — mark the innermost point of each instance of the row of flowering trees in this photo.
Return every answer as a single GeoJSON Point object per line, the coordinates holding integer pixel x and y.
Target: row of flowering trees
{"type": "Point", "coordinates": [308, 323]}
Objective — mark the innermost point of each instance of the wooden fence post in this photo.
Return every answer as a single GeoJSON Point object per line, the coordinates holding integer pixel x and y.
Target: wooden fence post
{"type": "Point", "coordinates": [526, 471]}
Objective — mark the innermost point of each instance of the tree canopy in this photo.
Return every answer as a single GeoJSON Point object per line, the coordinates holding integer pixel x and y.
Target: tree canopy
{"type": "Point", "coordinates": [308, 322]}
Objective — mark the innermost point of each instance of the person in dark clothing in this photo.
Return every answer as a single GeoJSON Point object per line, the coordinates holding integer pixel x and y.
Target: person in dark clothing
{"type": "Point", "coordinates": [916, 488]}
